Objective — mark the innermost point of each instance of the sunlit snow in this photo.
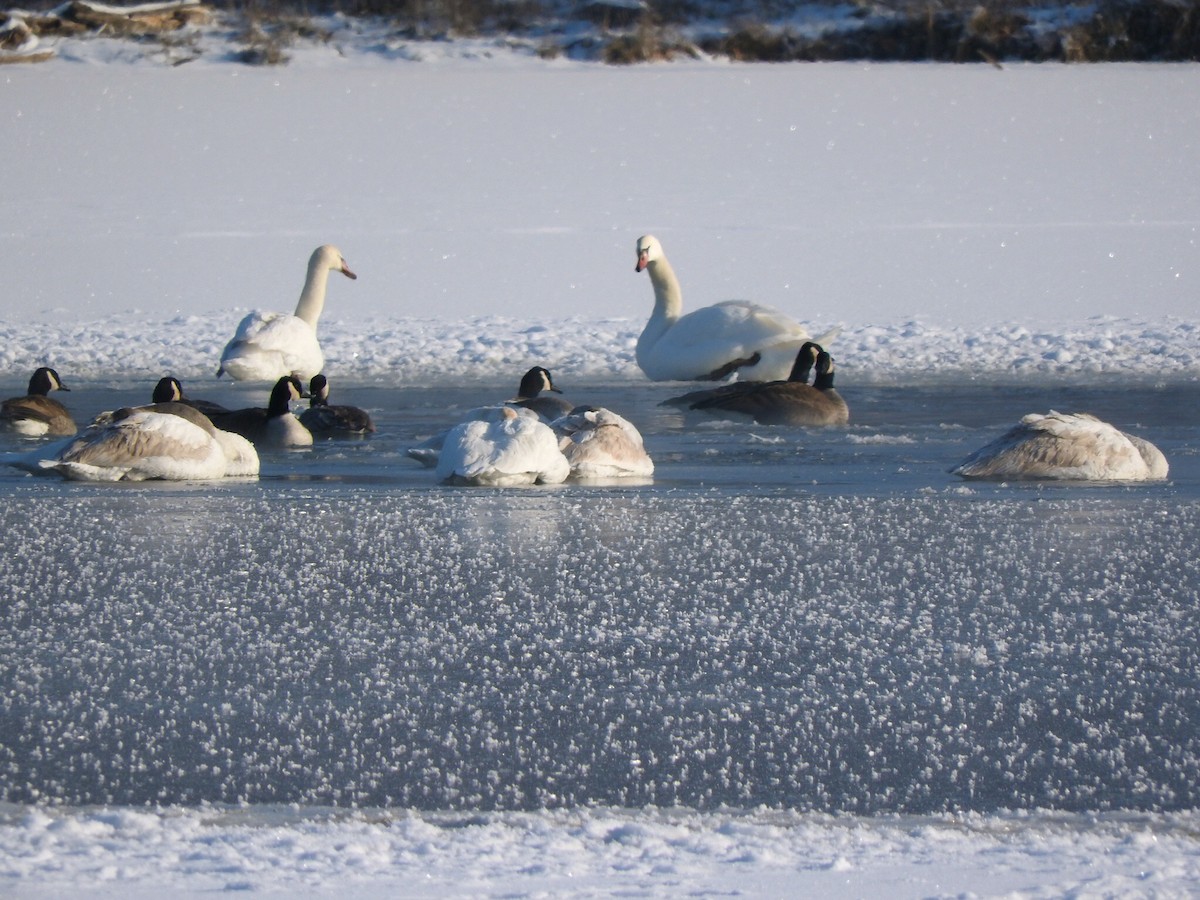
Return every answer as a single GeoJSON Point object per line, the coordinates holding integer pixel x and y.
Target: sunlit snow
{"type": "Point", "coordinates": [799, 662]}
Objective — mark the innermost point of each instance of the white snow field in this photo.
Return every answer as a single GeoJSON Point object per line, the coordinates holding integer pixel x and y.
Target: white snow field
{"type": "Point", "coordinates": [797, 663]}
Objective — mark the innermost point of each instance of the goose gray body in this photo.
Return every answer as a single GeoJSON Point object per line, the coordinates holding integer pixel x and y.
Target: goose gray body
{"type": "Point", "coordinates": [790, 402]}
{"type": "Point", "coordinates": [323, 419]}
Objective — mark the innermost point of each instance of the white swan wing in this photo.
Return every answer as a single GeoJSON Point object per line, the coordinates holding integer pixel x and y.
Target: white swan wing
{"type": "Point", "coordinates": [428, 451]}
{"type": "Point", "coordinates": [711, 338]}
{"type": "Point", "coordinates": [267, 346]}
{"type": "Point", "coordinates": [514, 450]}
{"type": "Point", "coordinates": [241, 458]}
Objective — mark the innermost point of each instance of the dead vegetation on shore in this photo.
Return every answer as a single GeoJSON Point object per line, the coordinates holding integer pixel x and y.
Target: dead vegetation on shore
{"type": "Point", "coordinates": [637, 31]}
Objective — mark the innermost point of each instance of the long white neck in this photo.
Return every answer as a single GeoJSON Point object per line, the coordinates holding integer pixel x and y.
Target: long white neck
{"type": "Point", "coordinates": [312, 298]}
{"type": "Point", "coordinates": [668, 303]}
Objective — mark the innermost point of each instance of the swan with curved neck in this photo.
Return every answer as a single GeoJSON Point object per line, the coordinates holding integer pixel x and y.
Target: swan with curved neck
{"type": "Point", "coordinates": [751, 341]}
{"type": "Point", "coordinates": [269, 345]}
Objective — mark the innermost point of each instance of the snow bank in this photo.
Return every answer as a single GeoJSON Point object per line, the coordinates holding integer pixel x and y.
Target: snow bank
{"type": "Point", "coordinates": [133, 347]}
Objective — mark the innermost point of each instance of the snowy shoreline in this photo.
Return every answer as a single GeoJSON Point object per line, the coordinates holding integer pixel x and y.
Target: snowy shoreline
{"type": "Point", "coordinates": [133, 347]}
{"type": "Point", "coordinates": [1032, 225]}
{"type": "Point", "coordinates": [592, 853]}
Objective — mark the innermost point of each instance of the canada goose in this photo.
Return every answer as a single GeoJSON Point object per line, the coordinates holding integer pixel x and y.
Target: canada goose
{"type": "Point", "coordinates": [598, 443]}
{"type": "Point", "coordinates": [37, 414]}
{"type": "Point", "coordinates": [170, 390]}
{"type": "Point", "coordinates": [1066, 446]}
{"type": "Point", "coordinates": [530, 395]}
{"type": "Point", "coordinates": [275, 426]}
{"type": "Point", "coordinates": [711, 343]}
{"type": "Point", "coordinates": [790, 402]}
{"type": "Point", "coordinates": [510, 447]}
{"type": "Point", "coordinates": [322, 419]}
{"type": "Point", "coordinates": [801, 370]}
{"type": "Point", "coordinates": [268, 345]}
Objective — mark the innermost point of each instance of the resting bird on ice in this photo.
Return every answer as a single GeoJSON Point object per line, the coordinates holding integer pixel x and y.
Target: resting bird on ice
{"type": "Point", "coordinates": [332, 421]}
{"type": "Point", "coordinates": [598, 443]}
{"type": "Point", "coordinates": [170, 390]}
{"type": "Point", "coordinates": [753, 342]}
{"type": "Point", "coordinates": [1067, 447]}
{"type": "Point", "coordinates": [530, 396]}
{"type": "Point", "coordinates": [275, 426]}
{"type": "Point", "coordinates": [141, 444]}
{"type": "Point", "coordinates": [791, 402]}
{"type": "Point", "coordinates": [37, 414]}
{"type": "Point", "coordinates": [269, 345]}
{"type": "Point", "coordinates": [508, 447]}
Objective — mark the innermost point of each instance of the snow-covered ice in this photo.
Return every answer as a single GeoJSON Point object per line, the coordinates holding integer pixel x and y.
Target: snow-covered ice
{"type": "Point", "coordinates": [798, 662]}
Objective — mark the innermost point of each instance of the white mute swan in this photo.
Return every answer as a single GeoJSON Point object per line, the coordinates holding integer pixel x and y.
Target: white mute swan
{"type": "Point", "coordinates": [332, 421]}
{"type": "Point", "coordinates": [37, 414]}
{"type": "Point", "coordinates": [270, 345]}
{"type": "Point", "coordinates": [757, 343]}
{"type": "Point", "coordinates": [275, 426]}
{"type": "Point", "coordinates": [530, 397]}
{"type": "Point", "coordinates": [1068, 447]}
{"type": "Point", "coordinates": [600, 444]}
{"type": "Point", "coordinates": [791, 402]}
{"type": "Point", "coordinates": [509, 447]}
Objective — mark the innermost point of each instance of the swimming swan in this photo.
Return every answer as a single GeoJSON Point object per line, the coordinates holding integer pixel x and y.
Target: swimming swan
{"type": "Point", "coordinates": [598, 443]}
{"type": "Point", "coordinates": [322, 419]}
{"type": "Point", "coordinates": [711, 343]}
{"type": "Point", "coordinates": [509, 447]}
{"type": "Point", "coordinates": [1068, 447]}
{"type": "Point", "coordinates": [37, 414]}
{"type": "Point", "coordinates": [270, 345]}
{"type": "Point", "coordinates": [791, 402]}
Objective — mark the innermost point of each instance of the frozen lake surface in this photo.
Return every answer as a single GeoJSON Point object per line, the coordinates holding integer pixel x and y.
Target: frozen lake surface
{"type": "Point", "coordinates": [795, 662]}
{"type": "Point", "coordinates": [796, 653]}
{"type": "Point", "coordinates": [796, 618]}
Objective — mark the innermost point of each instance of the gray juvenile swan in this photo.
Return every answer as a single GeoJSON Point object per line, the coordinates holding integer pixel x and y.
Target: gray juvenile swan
{"type": "Point", "coordinates": [142, 444]}
{"type": "Point", "coordinates": [1068, 447]}
{"type": "Point", "coordinates": [599, 444]}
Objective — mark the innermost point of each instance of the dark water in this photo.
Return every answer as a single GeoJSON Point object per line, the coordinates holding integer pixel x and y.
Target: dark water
{"type": "Point", "coordinates": [791, 617]}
